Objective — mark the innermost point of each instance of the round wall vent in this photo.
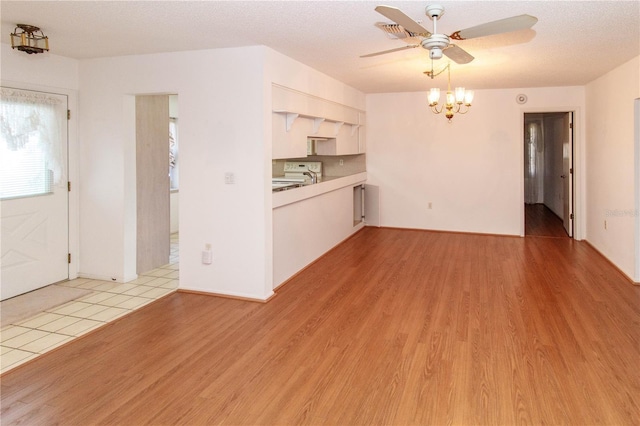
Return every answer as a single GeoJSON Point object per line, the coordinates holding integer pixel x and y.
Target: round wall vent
{"type": "Point", "coordinates": [521, 99]}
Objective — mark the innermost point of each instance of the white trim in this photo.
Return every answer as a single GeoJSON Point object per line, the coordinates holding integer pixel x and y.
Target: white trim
{"type": "Point", "coordinates": [636, 102]}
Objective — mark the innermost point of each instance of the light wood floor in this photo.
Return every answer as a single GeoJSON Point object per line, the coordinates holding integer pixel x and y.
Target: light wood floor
{"type": "Point", "coordinates": [391, 327]}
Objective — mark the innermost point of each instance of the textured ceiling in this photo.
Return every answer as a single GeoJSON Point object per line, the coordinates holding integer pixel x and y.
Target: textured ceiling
{"type": "Point", "coordinates": [573, 42]}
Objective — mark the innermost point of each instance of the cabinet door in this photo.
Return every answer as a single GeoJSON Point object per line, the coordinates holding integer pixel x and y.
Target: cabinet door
{"type": "Point", "coordinates": [290, 143]}
{"type": "Point", "coordinates": [283, 99]}
{"type": "Point", "coordinates": [347, 140]}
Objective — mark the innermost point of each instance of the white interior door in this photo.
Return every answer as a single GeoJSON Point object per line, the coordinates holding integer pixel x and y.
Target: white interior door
{"type": "Point", "coordinates": [33, 190]}
{"type": "Point", "coordinates": [567, 174]}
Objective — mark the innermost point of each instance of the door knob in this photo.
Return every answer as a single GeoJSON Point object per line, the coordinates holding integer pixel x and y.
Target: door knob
{"type": "Point", "coordinates": [563, 176]}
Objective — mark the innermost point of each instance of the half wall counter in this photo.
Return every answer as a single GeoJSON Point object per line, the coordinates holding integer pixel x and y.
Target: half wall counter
{"type": "Point", "coordinates": [311, 220]}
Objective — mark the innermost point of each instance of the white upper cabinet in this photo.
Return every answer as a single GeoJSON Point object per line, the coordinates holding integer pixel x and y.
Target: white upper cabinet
{"type": "Point", "coordinates": [289, 138]}
{"type": "Point", "coordinates": [297, 115]}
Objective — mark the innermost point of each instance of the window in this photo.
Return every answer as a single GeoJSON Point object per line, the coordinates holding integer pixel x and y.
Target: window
{"type": "Point", "coordinates": [30, 161]}
{"type": "Point", "coordinates": [173, 153]}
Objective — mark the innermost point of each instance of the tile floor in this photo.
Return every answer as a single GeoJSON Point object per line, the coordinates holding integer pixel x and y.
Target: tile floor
{"type": "Point", "coordinates": [108, 301]}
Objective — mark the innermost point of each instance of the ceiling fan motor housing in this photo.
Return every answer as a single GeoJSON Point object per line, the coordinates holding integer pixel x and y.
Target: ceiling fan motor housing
{"type": "Point", "coordinates": [435, 44]}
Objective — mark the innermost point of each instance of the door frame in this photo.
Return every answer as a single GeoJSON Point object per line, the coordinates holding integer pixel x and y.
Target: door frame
{"type": "Point", "coordinates": [636, 131]}
{"type": "Point", "coordinates": [72, 166]}
{"type": "Point", "coordinates": [578, 166]}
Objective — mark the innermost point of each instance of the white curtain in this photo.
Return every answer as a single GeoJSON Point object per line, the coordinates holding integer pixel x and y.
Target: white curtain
{"type": "Point", "coordinates": [534, 163]}
{"type": "Point", "coordinates": [31, 158]}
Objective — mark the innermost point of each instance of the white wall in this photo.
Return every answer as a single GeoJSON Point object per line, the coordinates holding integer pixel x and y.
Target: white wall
{"type": "Point", "coordinates": [56, 74]}
{"type": "Point", "coordinates": [220, 95]}
{"type": "Point", "coordinates": [224, 97]}
{"type": "Point", "coordinates": [470, 170]}
{"type": "Point", "coordinates": [610, 156]}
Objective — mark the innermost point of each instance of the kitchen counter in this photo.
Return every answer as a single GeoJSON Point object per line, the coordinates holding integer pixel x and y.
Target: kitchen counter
{"type": "Point", "coordinates": [324, 185]}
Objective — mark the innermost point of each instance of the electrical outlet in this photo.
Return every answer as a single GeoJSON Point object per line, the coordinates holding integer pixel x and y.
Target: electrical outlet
{"type": "Point", "coordinates": [341, 162]}
{"type": "Point", "coordinates": [605, 224]}
{"type": "Point", "coordinates": [229, 178]}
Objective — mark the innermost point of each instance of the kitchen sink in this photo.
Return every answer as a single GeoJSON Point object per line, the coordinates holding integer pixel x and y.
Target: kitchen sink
{"type": "Point", "coordinates": [285, 186]}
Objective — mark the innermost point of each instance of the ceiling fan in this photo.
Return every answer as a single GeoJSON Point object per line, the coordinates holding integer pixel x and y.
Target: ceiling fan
{"type": "Point", "coordinates": [411, 31]}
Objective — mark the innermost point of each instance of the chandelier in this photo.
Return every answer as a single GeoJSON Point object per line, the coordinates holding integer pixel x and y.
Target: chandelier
{"type": "Point", "coordinates": [456, 102]}
{"type": "Point", "coordinates": [25, 38]}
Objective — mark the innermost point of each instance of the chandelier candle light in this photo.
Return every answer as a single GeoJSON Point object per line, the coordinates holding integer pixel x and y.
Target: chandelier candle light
{"type": "Point", "coordinates": [457, 102]}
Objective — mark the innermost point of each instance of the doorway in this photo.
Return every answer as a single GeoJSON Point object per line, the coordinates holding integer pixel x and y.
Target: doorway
{"type": "Point", "coordinates": [33, 190]}
{"type": "Point", "coordinates": [548, 174]}
{"type": "Point", "coordinates": [157, 181]}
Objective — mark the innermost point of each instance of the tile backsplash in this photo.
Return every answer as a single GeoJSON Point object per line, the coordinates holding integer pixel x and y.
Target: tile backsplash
{"type": "Point", "coordinates": [351, 164]}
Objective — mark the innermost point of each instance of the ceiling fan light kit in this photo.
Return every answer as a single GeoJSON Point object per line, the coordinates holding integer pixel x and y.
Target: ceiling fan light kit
{"type": "Point", "coordinates": [456, 102]}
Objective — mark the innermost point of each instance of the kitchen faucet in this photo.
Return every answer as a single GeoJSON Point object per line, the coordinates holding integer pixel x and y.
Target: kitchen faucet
{"type": "Point", "coordinates": [312, 175]}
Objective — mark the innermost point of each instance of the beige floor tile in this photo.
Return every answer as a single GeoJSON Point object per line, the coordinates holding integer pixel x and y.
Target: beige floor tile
{"type": "Point", "coordinates": [138, 290]}
{"type": "Point", "coordinates": [171, 284]}
{"type": "Point", "coordinates": [4, 350]}
{"type": "Point", "coordinates": [11, 332]}
{"type": "Point", "coordinates": [173, 275]}
{"type": "Point", "coordinates": [122, 288]}
{"type": "Point", "coordinates": [140, 280]}
{"type": "Point", "coordinates": [106, 286]}
{"type": "Point", "coordinates": [81, 327]}
{"type": "Point", "coordinates": [134, 302]}
{"type": "Point", "coordinates": [115, 299]}
{"type": "Point", "coordinates": [14, 358]}
{"type": "Point", "coordinates": [109, 314]}
{"type": "Point", "coordinates": [89, 311]}
{"type": "Point", "coordinates": [89, 285]}
{"type": "Point", "coordinates": [158, 272]}
{"type": "Point", "coordinates": [158, 282]}
{"type": "Point", "coordinates": [40, 320]}
{"type": "Point", "coordinates": [70, 308]}
{"type": "Point", "coordinates": [24, 339]}
{"type": "Point", "coordinates": [58, 324]}
{"type": "Point", "coordinates": [46, 343]}
{"type": "Point", "coordinates": [157, 292]}
{"type": "Point", "coordinates": [96, 297]}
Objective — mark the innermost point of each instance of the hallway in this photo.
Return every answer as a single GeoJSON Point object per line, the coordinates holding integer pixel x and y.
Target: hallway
{"type": "Point", "coordinates": [540, 221]}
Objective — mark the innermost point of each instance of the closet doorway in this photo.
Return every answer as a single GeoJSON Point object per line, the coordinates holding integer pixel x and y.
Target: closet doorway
{"type": "Point", "coordinates": [548, 174]}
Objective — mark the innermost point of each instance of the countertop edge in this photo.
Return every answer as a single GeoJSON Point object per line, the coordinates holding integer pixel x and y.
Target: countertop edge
{"type": "Point", "coordinates": [291, 196]}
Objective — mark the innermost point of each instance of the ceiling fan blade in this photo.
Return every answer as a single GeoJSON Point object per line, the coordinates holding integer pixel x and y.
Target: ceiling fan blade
{"type": "Point", "coordinates": [457, 54]}
{"type": "Point", "coordinates": [506, 25]}
{"type": "Point", "coordinates": [397, 49]}
{"type": "Point", "coordinates": [398, 16]}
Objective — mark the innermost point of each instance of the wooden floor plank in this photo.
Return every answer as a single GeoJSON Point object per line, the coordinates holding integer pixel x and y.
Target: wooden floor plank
{"type": "Point", "coordinates": [391, 327]}
{"type": "Point", "coordinates": [540, 221]}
